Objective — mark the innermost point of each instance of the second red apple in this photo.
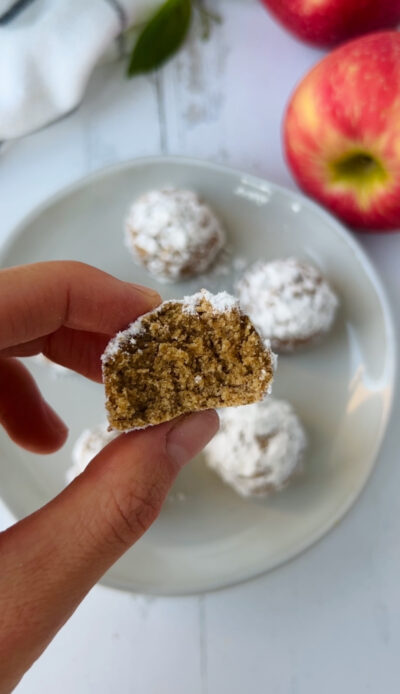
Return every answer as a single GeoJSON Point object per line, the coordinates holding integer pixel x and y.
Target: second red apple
{"type": "Point", "coordinates": [329, 22]}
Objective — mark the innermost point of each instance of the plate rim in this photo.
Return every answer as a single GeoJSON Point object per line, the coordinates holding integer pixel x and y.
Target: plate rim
{"type": "Point", "coordinates": [374, 278]}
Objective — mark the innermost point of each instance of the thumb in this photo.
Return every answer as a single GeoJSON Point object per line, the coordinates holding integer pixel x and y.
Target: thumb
{"type": "Point", "coordinates": [51, 559]}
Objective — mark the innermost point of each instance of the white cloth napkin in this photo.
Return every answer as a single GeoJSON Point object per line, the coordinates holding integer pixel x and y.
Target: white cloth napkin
{"type": "Point", "coordinates": [48, 49]}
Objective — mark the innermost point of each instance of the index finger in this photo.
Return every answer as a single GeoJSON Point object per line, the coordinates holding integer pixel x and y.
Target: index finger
{"type": "Point", "coordinates": [38, 299]}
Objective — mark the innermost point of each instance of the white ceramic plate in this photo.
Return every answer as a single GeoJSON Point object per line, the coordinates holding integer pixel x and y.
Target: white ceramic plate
{"type": "Point", "coordinates": [207, 537]}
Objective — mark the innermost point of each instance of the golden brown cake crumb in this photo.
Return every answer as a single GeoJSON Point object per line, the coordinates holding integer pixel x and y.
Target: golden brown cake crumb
{"type": "Point", "coordinates": [184, 356]}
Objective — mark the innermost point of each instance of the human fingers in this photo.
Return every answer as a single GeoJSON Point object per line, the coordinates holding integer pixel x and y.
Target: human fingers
{"type": "Point", "coordinates": [36, 300]}
{"type": "Point", "coordinates": [26, 416]}
{"type": "Point", "coordinates": [77, 350]}
{"type": "Point", "coordinates": [51, 559]}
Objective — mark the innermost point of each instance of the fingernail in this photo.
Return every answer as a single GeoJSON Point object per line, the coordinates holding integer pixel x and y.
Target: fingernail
{"type": "Point", "coordinates": [151, 295]}
{"type": "Point", "coordinates": [190, 434]}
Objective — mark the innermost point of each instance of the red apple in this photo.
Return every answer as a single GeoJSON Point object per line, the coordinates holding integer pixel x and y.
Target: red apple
{"type": "Point", "coordinates": [342, 132]}
{"type": "Point", "coordinates": [329, 22]}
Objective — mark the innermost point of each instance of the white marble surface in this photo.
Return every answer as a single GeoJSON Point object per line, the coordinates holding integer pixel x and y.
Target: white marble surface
{"type": "Point", "coordinates": [328, 621]}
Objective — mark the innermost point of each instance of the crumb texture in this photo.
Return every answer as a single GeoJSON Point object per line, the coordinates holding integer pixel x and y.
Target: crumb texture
{"type": "Point", "coordinates": [173, 233]}
{"type": "Point", "coordinates": [258, 449]}
{"type": "Point", "coordinates": [185, 356]}
{"type": "Point", "coordinates": [289, 301]}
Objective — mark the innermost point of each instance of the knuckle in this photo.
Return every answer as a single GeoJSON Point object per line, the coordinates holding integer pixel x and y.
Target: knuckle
{"type": "Point", "coordinates": [130, 514]}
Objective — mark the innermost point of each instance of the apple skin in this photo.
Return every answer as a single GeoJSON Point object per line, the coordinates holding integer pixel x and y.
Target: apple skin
{"type": "Point", "coordinates": [342, 132]}
{"type": "Point", "coordinates": [329, 22]}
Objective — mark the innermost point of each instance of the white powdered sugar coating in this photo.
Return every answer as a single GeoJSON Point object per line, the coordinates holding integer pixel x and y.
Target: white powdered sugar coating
{"type": "Point", "coordinates": [87, 446]}
{"type": "Point", "coordinates": [259, 448]}
{"type": "Point", "coordinates": [173, 233]}
{"type": "Point", "coordinates": [221, 303]}
{"type": "Point", "coordinates": [288, 300]}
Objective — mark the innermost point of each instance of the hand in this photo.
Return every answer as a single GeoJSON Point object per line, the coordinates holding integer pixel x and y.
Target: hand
{"type": "Point", "coordinates": [51, 559]}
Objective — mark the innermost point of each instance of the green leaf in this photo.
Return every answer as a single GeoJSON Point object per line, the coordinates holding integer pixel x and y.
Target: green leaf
{"type": "Point", "coordinates": [161, 37]}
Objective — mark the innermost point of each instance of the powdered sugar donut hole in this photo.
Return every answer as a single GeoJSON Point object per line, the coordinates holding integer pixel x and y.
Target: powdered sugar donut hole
{"type": "Point", "coordinates": [173, 234]}
{"type": "Point", "coordinates": [289, 301]}
{"type": "Point", "coordinates": [87, 446]}
{"type": "Point", "coordinates": [259, 448]}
